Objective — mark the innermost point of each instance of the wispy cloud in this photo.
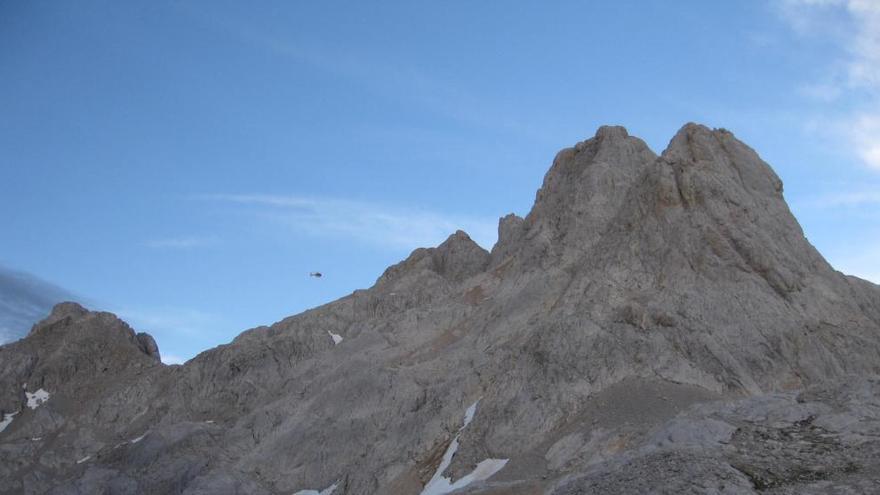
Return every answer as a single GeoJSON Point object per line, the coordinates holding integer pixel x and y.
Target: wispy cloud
{"type": "Point", "coordinates": [846, 199]}
{"type": "Point", "coordinates": [382, 225]}
{"type": "Point", "coordinates": [854, 25]}
{"type": "Point", "coordinates": [823, 92]}
{"type": "Point", "coordinates": [811, 16]}
{"type": "Point", "coordinates": [26, 299]}
{"type": "Point", "coordinates": [866, 137]}
{"type": "Point", "coordinates": [412, 84]}
{"type": "Point", "coordinates": [178, 321]}
{"type": "Point", "coordinates": [181, 242]}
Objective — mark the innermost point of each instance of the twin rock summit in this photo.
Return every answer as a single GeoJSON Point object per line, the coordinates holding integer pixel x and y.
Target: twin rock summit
{"type": "Point", "coordinates": [655, 324]}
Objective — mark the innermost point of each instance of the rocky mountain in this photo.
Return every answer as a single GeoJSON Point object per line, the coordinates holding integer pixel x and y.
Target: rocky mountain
{"type": "Point", "coordinates": [655, 324]}
{"type": "Point", "coordinates": [24, 300]}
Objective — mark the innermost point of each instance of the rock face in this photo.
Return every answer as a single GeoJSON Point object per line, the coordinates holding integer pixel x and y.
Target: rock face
{"type": "Point", "coordinates": [654, 324]}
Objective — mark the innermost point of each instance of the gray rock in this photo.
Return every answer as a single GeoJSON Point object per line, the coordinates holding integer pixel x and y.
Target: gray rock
{"type": "Point", "coordinates": [148, 345]}
{"type": "Point", "coordinates": [656, 324]}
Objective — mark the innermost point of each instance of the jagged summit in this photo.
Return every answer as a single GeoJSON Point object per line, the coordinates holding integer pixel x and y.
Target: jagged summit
{"type": "Point", "coordinates": [612, 132]}
{"type": "Point", "coordinates": [458, 257]}
{"type": "Point", "coordinates": [71, 321]}
{"type": "Point", "coordinates": [62, 310]}
{"type": "Point", "coordinates": [646, 327]}
{"type": "Point", "coordinates": [613, 182]}
{"type": "Point", "coordinates": [718, 153]}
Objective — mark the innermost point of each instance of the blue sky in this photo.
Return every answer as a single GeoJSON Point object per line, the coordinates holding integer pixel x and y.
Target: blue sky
{"type": "Point", "coordinates": [187, 164]}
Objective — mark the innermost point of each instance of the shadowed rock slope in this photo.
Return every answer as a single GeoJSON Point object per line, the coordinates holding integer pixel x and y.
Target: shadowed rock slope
{"type": "Point", "coordinates": [655, 323]}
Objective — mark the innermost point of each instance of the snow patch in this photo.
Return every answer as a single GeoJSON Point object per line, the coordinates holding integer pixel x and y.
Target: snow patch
{"type": "Point", "coordinates": [440, 485]}
{"type": "Point", "coordinates": [84, 459]}
{"type": "Point", "coordinates": [36, 439]}
{"type": "Point", "coordinates": [484, 470]}
{"type": "Point", "coordinates": [327, 491]}
{"type": "Point", "coordinates": [35, 399]}
{"type": "Point", "coordinates": [469, 414]}
{"type": "Point", "coordinates": [336, 340]}
{"type": "Point", "coordinates": [138, 439]}
{"type": "Point", "coordinates": [7, 419]}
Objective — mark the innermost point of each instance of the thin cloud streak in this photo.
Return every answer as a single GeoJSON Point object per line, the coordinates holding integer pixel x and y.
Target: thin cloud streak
{"type": "Point", "coordinates": [410, 84]}
{"type": "Point", "coordinates": [855, 26]}
{"type": "Point", "coordinates": [847, 199]}
{"type": "Point", "coordinates": [179, 321]}
{"type": "Point", "coordinates": [181, 242]}
{"type": "Point", "coordinates": [380, 225]}
{"type": "Point", "coordinates": [823, 92]}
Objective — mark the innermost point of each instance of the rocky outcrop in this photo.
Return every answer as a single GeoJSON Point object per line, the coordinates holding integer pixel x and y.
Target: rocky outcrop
{"type": "Point", "coordinates": [456, 259]}
{"type": "Point", "coordinates": [50, 382]}
{"type": "Point", "coordinates": [655, 323]}
{"type": "Point", "coordinates": [148, 345]}
{"type": "Point", "coordinates": [71, 348]}
{"type": "Point", "coordinates": [815, 441]}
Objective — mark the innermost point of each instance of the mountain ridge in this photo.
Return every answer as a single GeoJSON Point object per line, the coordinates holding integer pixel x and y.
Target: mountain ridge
{"type": "Point", "coordinates": [639, 290]}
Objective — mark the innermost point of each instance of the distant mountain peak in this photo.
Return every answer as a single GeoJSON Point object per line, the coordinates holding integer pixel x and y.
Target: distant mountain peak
{"type": "Point", "coordinates": [67, 309]}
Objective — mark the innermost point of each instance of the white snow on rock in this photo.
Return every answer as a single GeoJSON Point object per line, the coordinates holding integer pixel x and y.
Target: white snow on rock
{"type": "Point", "coordinates": [336, 340]}
{"type": "Point", "coordinates": [7, 419]}
{"type": "Point", "coordinates": [36, 398]}
{"type": "Point", "coordinates": [84, 459]}
{"type": "Point", "coordinates": [440, 485]}
{"type": "Point", "coordinates": [327, 491]}
{"type": "Point", "coordinates": [138, 439]}
{"type": "Point", "coordinates": [469, 414]}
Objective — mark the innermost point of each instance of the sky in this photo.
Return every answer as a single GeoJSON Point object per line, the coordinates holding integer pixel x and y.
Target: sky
{"type": "Point", "coordinates": [187, 164]}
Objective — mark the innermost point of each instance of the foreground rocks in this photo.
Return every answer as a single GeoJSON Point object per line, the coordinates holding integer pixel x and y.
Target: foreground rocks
{"type": "Point", "coordinates": [821, 440]}
{"type": "Point", "coordinates": [655, 324]}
